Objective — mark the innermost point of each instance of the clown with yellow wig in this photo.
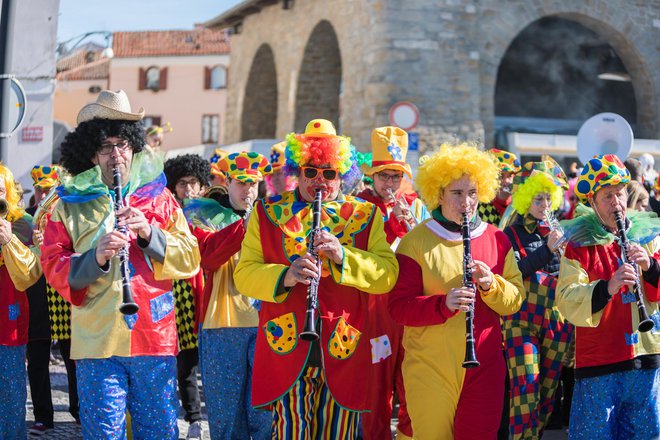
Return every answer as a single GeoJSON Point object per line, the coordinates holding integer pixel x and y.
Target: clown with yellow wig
{"type": "Point", "coordinates": [509, 165]}
{"type": "Point", "coordinates": [19, 269]}
{"type": "Point", "coordinates": [278, 181]}
{"type": "Point", "coordinates": [617, 367]}
{"type": "Point", "coordinates": [536, 337]}
{"type": "Point", "coordinates": [444, 399]}
{"type": "Point", "coordinates": [228, 319]}
{"type": "Point", "coordinates": [315, 389]}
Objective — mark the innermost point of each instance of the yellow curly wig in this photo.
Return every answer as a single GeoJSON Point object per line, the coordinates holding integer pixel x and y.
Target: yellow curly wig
{"type": "Point", "coordinates": [12, 196]}
{"type": "Point", "coordinates": [536, 184]}
{"type": "Point", "coordinates": [450, 163]}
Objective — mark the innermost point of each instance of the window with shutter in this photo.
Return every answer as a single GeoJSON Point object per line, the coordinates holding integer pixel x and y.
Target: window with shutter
{"type": "Point", "coordinates": [153, 78]}
{"type": "Point", "coordinates": [210, 129]}
{"type": "Point", "coordinates": [218, 78]}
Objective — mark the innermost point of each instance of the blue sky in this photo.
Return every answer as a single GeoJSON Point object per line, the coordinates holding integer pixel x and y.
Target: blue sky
{"type": "Point", "coordinates": [80, 16]}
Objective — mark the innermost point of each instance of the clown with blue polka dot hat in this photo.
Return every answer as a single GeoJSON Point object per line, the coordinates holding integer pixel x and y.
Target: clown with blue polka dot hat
{"type": "Point", "coordinates": [616, 364]}
{"type": "Point", "coordinates": [509, 165]}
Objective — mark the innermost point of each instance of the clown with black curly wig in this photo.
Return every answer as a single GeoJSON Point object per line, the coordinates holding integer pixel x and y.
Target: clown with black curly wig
{"type": "Point", "coordinates": [537, 193]}
{"type": "Point", "coordinates": [276, 266]}
{"type": "Point", "coordinates": [187, 176]}
{"type": "Point", "coordinates": [88, 229]}
{"type": "Point", "coordinates": [430, 299]}
{"type": "Point", "coordinates": [19, 269]}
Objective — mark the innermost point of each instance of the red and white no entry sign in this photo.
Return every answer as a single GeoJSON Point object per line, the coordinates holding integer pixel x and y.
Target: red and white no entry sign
{"type": "Point", "coordinates": [404, 115]}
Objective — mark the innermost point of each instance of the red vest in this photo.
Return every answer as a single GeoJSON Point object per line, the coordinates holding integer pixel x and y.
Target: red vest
{"type": "Point", "coordinates": [343, 312]}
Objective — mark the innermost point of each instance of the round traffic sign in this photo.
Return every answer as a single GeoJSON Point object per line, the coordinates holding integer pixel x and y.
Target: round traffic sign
{"type": "Point", "coordinates": [16, 105]}
{"type": "Point", "coordinates": [404, 115]}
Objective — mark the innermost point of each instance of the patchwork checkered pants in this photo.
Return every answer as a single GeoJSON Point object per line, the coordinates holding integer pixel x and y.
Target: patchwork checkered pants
{"type": "Point", "coordinates": [184, 305]}
{"type": "Point", "coordinates": [536, 341]}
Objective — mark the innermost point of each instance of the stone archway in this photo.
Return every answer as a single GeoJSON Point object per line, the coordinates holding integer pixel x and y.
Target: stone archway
{"type": "Point", "coordinates": [558, 73]}
{"type": "Point", "coordinates": [320, 79]}
{"type": "Point", "coordinates": [615, 34]}
{"type": "Point", "coordinates": [259, 116]}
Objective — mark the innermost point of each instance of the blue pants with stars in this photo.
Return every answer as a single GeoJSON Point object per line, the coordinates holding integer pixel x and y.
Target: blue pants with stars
{"type": "Point", "coordinates": [13, 383]}
{"type": "Point", "coordinates": [226, 360]}
{"type": "Point", "coordinates": [616, 406]}
{"type": "Point", "coordinates": [145, 385]}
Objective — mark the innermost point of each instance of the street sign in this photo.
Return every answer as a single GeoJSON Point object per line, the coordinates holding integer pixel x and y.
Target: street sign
{"type": "Point", "coordinates": [16, 105]}
{"type": "Point", "coordinates": [404, 115]}
{"type": "Point", "coordinates": [413, 141]}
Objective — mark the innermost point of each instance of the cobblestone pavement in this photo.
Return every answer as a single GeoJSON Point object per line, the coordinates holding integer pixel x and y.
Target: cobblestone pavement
{"type": "Point", "coordinates": [67, 429]}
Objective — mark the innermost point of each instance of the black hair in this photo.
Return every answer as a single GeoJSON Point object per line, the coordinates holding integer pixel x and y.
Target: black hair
{"type": "Point", "coordinates": [187, 165]}
{"type": "Point", "coordinates": [80, 145]}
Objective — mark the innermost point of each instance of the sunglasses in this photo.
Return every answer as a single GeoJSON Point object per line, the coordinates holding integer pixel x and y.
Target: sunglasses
{"type": "Point", "coordinates": [311, 173]}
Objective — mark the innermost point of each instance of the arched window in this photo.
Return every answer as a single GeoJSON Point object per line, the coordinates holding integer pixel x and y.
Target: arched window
{"type": "Point", "coordinates": [216, 78]}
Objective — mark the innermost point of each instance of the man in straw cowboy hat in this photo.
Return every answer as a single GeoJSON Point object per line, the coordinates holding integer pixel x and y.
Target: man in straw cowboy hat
{"type": "Point", "coordinates": [617, 366]}
{"type": "Point", "coordinates": [444, 399]}
{"type": "Point", "coordinates": [19, 269]}
{"type": "Point", "coordinates": [123, 361]}
{"type": "Point", "coordinates": [400, 213]}
{"type": "Point", "coordinates": [316, 389]}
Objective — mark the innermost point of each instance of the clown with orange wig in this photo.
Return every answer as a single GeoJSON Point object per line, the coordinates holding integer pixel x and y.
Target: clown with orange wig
{"type": "Point", "coordinates": [316, 390]}
{"type": "Point", "coordinates": [19, 269]}
{"type": "Point", "coordinates": [444, 399]}
{"type": "Point", "coordinates": [278, 181]}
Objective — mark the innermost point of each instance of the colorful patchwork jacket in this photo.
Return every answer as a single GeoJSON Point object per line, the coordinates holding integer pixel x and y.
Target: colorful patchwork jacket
{"type": "Point", "coordinates": [276, 235]}
{"type": "Point", "coordinates": [606, 336]}
{"type": "Point", "coordinates": [84, 214]}
{"type": "Point", "coordinates": [19, 269]}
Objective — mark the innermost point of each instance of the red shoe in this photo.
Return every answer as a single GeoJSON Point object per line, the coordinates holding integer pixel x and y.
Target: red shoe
{"type": "Point", "coordinates": [39, 429]}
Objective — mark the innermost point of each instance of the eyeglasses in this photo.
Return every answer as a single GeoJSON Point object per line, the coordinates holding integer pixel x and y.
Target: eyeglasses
{"type": "Point", "coordinates": [311, 173]}
{"type": "Point", "coordinates": [108, 147]}
{"type": "Point", "coordinates": [395, 178]}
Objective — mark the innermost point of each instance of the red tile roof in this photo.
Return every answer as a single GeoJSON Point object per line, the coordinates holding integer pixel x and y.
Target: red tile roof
{"type": "Point", "coordinates": [198, 41]}
{"type": "Point", "coordinates": [99, 69]}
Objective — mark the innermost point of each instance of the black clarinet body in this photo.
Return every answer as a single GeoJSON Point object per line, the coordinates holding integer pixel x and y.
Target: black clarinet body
{"type": "Point", "coordinates": [470, 360]}
{"type": "Point", "coordinates": [128, 305]}
{"type": "Point", "coordinates": [645, 323]}
{"type": "Point", "coordinates": [310, 332]}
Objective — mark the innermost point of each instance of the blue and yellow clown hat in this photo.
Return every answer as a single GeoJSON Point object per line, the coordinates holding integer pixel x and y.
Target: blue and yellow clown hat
{"type": "Point", "coordinates": [218, 154]}
{"type": "Point", "coordinates": [599, 172]}
{"type": "Point", "coordinates": [277, 155]}
{"type": "Point", "coordinates": [245, 166]}
{"type": "Point", "coordinates": [506, 160]}
{"type": "Point", "coordinates": [45, 176]}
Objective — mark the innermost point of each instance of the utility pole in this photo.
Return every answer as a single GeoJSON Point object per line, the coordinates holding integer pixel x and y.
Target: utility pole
{"type": "Point", "coordinates": [7, 15]}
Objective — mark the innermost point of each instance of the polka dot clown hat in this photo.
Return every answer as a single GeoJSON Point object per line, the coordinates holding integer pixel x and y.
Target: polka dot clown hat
{"type": "Point", "coordinates": [534, 168]}
{"type": "Point", "coordinates": [218, 154]}
{"type": "Point", "coordinates": [599, 172]}
{"type": "Point", "coordinates": [245, 166]}
{"type": "Point", "coordinates": [506, 160]}
{"type": "Point", "coordinates": [45, 176]}
{"type": "Point", "coordinates": [277, 155]}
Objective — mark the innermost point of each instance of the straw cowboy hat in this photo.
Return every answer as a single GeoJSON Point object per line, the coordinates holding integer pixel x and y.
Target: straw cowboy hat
{"type": "Point", "coordinates": [110, 105]}
{"type": "Point", "coordinates": [390, 147]}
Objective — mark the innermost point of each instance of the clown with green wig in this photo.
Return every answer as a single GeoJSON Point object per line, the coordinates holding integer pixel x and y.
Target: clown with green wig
{"type": "Point", "coordinates": [617, 366]}
{"type": "Point", "coordinates": [446, 400]}
{"type": "Point", "coordinates": [536, 338]}
{"type": "Point", "coordinates": [315, 389]}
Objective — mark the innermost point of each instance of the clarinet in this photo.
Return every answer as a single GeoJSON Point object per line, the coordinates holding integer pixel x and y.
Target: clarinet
{"type": "Point", "coordinates": [470, 360]}
{"type": "Point", "coordinates": [309, 332]}
{"type": "Point", "coordinates": [128, 306]}
{"type": "Point", "coordinates": [645, 323]}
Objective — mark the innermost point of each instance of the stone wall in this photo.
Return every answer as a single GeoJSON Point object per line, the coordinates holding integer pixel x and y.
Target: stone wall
{"type": "Point", "coordinates": [443, 55]}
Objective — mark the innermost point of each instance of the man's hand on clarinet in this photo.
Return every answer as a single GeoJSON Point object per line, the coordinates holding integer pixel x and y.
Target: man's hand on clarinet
{"type": "Point", "coordinates": [638, 255]}
{"type": "Point", "coordinates": [327, 245]}
{"type": "Point", "coordinates": [135, 220]}
{"type": "Point", "coordinates": [482, 274]}
{"type": "Point", "coordinates": [301, 270]}
{"type": "Point", "coordinates": [5, 232]}
{"type": "Point", "coordinates": [108, 246]}
{"type": "Point", "coordinates": [624, 276]}
{"type": "Point", "coordinates": [460, 298]}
